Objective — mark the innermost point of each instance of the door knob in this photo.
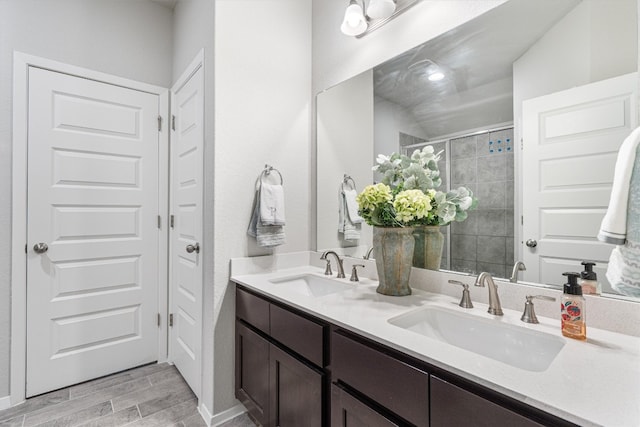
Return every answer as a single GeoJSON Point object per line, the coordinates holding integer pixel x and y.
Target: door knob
{"type": "Point", "coordinates": [531, 243]}
{"type": "Point", "coordinates": [40, 248]}
{"type": "Point", "coordinates": [193, 248]}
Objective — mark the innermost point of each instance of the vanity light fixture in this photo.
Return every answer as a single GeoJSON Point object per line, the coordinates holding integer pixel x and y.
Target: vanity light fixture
{"type": "Point", "coordinates": [354, 22]}
{"type": "Point", "coordinates": [364, 16]}
{"type": "Point", "coordinates": [381, 9]}
{"type": "Point", "coordinates": [429, 68]}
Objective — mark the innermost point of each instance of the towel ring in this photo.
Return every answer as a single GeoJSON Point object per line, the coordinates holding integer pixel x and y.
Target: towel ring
{"type": "Point", "coordinates": [267, 171]}
{"type": "Point", "coordinates": [346, 180]}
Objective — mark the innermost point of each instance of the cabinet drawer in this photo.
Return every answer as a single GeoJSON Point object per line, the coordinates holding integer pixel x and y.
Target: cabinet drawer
{"type": "Point", "coordinates": [399, 387]}
{"type": "Point", "coordinates": [347, 411]}
{"type": "Point", "coordinates": [302, 335]}
{"type": "Point", "coordinates": [452, 406]}
{"type": "Point", "coordinates": [252, 309]}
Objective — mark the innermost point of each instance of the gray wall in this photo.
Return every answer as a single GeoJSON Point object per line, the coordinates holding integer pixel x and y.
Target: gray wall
{"type": "Point", "coordinates": [129, 39]}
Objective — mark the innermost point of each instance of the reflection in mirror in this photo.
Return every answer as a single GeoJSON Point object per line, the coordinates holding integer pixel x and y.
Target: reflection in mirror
{"type": "Point", "coordinates": [505, 113]}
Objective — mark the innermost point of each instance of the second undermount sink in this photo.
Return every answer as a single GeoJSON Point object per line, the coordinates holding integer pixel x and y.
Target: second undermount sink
{"type": "Point", "coordinates": [310, 285]}
{"type": "Point", "coordinates": [516, 346]}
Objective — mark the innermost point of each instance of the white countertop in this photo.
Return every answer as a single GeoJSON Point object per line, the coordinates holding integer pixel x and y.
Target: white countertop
{"type": "Point", "coordinates": [592, 383]}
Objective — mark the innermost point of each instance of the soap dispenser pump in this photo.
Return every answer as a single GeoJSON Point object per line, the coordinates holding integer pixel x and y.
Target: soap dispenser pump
{"type": "Point", "coordinates": [589, 280]}
{"type": "Point", "coordinates": [573, 309]}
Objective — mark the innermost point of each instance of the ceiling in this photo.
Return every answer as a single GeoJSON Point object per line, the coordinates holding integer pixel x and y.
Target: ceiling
{"type": "Point", "coordinates": [477, 59]}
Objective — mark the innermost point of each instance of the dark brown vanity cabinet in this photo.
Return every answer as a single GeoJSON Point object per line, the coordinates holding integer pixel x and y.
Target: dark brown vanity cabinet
{"type": "Point", "coordinates": [294, 370]}
{"type": "Point", "coordinates": [279, 363]}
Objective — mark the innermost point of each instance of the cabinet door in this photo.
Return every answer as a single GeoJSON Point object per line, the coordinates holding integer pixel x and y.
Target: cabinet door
{"type": "Point", "coordinates": [347, 411]}
{"type": "Point", "coordinates": [296, 391]}
{"type": "Point", "coordinates": [252, 372]}
{"type": "Point", "coordinates": [452, 406]}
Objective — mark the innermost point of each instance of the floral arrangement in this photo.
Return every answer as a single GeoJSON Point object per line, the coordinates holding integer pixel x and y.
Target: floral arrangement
{"type": "Point", "coordinates": [407, 195]}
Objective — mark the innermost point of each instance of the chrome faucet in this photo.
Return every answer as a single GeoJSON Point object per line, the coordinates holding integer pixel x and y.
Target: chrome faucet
{"type": "Point", "coordinates": [368, 254]}
{"type": "Point", "coordinates": [340, 266]}
{"type": "Point", "coordinates": [494, 300]}
{"type": "Point", "coordinates": [519, 266]}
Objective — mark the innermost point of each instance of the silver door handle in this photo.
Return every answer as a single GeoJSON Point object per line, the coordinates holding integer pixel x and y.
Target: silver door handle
{"type": "Point", "coordinates": [193, 248]}
{"type": "Point", "coordinates": [40, 248]}
{"type": "Point", "coordinates": [531, 243]}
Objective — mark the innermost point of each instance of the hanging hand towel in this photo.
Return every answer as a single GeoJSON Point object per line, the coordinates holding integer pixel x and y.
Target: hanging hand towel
{"type": "Point", "coordinates": [271, 204]}
{"type": "Point", "coordinates": [352, 206]}
{"type": "Point", "coordinates": [623, 271]}
{"type": "Point", "coordinates": [266, 235]}
{"type": "Point", "coordinates": [614, 224]}
{"type": "Point", "coordinates": [350, 230]}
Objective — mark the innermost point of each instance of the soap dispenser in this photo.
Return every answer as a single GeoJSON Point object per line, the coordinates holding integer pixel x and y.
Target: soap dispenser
{"type": "Point", "coordinates": [589, 280]}
{"type": "Point", "coordinates": [573, 309]}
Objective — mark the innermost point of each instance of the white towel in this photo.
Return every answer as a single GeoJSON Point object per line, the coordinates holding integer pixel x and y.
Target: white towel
{"type": "Point", "coordinates": [614, 224]}
{"type": "Point", "coordinates": [346, 226]}
{"type": "Point", "coordinates": [271, 204]}
{"type": "Point", "coordinates": [623, 271]}
{"type": "Point", "coordinates": [266, 235]}
{"type": "Point", "coordinates": [352, 206]}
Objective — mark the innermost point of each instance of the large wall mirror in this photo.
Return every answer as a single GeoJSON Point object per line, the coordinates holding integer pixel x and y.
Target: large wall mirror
{"type": "Point", "coordinates": [533, 105]}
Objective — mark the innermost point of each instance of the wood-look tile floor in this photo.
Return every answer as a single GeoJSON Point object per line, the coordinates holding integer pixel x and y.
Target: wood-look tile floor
{"type": "Point", "coordinates": [151, 395]}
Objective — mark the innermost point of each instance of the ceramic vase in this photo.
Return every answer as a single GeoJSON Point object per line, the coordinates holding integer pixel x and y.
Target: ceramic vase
{"type": "Point", "coordinates": [429, 242]}
{"type": "Point", "coordinates": [393, 247]}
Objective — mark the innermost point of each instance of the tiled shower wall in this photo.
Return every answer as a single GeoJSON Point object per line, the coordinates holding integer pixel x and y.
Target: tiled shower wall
{"type": "Point", "coordinates": [484, 163]}
{"type": "Point", "coordinates": [485, 241]}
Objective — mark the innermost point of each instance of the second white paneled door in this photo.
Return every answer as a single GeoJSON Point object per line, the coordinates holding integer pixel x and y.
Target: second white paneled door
{"type": "Point", "coordinates": [186, 253]}
{"type": "Point", "coordinates": [92, 252]}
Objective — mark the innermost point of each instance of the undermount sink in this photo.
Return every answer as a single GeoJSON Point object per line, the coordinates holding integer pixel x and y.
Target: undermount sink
{"type": "Point", "coordinates": [516, 346]}
{"type": "Point", "coordinates": [311, 285]}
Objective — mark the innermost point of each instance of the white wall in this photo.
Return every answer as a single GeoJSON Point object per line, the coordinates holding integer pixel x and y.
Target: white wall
{"type": "Point", "coordinates": [128, 39]}
{"type": "Point", "coordinates": [262, 115]}
{"type": "Point", "coordinates": [345, 130]}
{"type": "Point", "coordinates": [389, 120]}
{"type": "Point", "coordinates": [193, 30]}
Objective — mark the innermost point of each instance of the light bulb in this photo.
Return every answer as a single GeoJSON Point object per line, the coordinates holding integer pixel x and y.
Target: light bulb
{"type": "Point", "coordinates": [436, 76]}
{"type": "Point", "coordinates": [381, 9]}
{"type": "Point", "coordinates": [354, 22]}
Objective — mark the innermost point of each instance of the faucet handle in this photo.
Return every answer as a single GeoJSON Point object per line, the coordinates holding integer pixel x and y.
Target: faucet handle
{"type": "Point", "coordinates": [354, 272]}
{"type": "Point", "coordinates": [465, 301]}
{"type": "Point", "coordinates": [529, 315]}
{"type": "Point", "coordinates": [327, 269]}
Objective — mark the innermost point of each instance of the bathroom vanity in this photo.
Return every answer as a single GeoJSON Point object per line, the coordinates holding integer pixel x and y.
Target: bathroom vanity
{"type": "Point", "coordinates": [318, 351]}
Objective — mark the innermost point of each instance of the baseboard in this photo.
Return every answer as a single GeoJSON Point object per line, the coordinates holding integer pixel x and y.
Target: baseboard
{"type": "Point", "coordinates": [5, 402]}
{"type": "Point", "coordinates": [222, 417]}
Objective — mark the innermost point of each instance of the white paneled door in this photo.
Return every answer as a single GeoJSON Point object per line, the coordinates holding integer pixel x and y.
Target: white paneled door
{"type": "Point", "coordinates": [571, 142]}
{"type": "Point", "coordinates": [92, 252]}
{"type": "Point", "coordinates": [186, 254]}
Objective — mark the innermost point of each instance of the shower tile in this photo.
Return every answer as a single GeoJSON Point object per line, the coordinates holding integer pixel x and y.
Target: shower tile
{"type": "Point", "coordinates": [510, 221]}
{"type": "Point", "coordinates": [482, 144]}
{"type": "Point", "coordinates": [463, 247]}
{"type": "Point", "coordinates": [509, 256]}
{"type": "Point", "coordinates": [492, 223]}
{"type": "Point", "coordinates": [464, 266]}
{"type": "Point", "coordinates": [491, 249]}
{"type": "Point", "coordinates": [468, 226]}
{"type": "Point", "coordinates": [492, 195]}
{"type": "Point", "coordinates": [510, 166]}
{"type": "Point", "coordinates": [496, 270]}
{"type": "Point", "coordinates": [509, 194]}
{"type": "Point", "coordinates": [463, 147]}
{"type": "Point", "coordinates": [463, 170]}
{"type": "Point", "coordinates": [492, 168]}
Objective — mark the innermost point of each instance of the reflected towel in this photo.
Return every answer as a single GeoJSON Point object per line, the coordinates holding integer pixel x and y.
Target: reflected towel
{"type": "Point", "coordinates": [271, 204]}
{"type": "Point", "coordinates": [614, 224]}
{"type": "Point", "coordinates": [352, 206]}
{"type": "Point", "coordinates": [623, 271]}
{"type": "Point", "coordinates": [350, 230]}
